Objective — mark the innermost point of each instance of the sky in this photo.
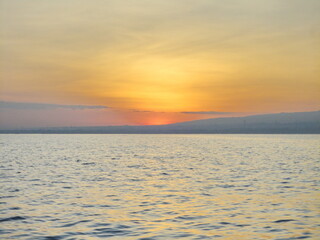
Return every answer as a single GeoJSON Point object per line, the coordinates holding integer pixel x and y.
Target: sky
{"type": "Point", "coordinates": [142, 62]}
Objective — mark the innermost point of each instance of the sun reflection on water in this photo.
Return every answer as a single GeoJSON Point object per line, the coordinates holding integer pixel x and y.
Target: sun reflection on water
{"type": "Point", "coordinates": [162, 186]}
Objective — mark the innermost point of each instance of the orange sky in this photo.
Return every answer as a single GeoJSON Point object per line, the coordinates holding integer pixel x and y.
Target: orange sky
{"type": "Point", "coordinates": [150, 62]}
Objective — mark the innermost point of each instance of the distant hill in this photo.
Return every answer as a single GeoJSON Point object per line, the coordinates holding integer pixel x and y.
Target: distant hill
{"type": "Point", "coordinates": [280, 122]}
{"type": "Point", "coordinates": [302, 122]}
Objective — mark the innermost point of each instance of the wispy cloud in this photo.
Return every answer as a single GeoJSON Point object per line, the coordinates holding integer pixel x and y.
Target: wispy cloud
{"type": "Point", "coordinates": [209, 113]}
{"type": "Point", "coordinates": [199, 112]}
{"type": "Point", "coordinates": [41, 106]}
{"type": "Point", "coordinates": [140, 111]}
{"type": "Point", "coordinates": [168, 112]}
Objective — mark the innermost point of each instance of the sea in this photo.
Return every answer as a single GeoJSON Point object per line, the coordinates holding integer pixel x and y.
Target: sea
{"type": "Point", "coordinates": [149, 187]}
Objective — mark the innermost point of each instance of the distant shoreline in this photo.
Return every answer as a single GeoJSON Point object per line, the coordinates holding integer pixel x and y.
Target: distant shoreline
{"type": "Point", "coordinates": [11, 133]}
{"type": "Point", "coordinates": [280, 123]}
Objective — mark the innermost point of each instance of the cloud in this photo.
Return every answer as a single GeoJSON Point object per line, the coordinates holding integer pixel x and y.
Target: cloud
{"type": "Point", "coordinates": [42, 106]}
{"type": "Point", "coordinates": [210, 112]}
{"type": "Point", "coordinates": [140, 111]}
{"type": "Point", "coordinates": [200, 112]}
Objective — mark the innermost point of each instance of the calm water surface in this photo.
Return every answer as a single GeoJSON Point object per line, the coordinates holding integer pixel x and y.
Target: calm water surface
{"type": "Point", "coordinates": [159, 187]}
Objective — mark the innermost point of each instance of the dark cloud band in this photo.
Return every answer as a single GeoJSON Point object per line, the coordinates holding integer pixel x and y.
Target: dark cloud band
{"type": "Point", "coordinates": [41, 106]}
{"type": "Point", "coordinates": [216, 113]}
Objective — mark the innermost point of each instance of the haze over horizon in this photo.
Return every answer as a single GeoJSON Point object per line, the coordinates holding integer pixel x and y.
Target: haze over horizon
{"type": "Point", "coordinates": [142, 62]}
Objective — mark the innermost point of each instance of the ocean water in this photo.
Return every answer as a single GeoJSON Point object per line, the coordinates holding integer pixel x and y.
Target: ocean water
{"type": "Point", "coordinates": [151, 187]}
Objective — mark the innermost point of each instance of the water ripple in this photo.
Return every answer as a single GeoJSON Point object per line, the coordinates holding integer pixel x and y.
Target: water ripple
{"type": "Point", "coordinates": [159, 187]}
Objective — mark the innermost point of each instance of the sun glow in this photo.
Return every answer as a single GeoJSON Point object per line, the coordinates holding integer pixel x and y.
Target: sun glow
{"type": "Point", "coordinates": [149, 83]}
{"type": "Point", "coordinates": [161, 82]}
{"type": "Point", "coordinates": [158, 122]}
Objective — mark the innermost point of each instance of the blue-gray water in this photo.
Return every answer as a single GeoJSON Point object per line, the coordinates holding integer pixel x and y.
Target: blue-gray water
{"type": "Point", "coordinates": [159, 187]}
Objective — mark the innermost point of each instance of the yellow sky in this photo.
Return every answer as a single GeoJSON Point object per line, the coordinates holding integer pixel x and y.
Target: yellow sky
{"type": "Point", "coordinates": [163, 56]}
